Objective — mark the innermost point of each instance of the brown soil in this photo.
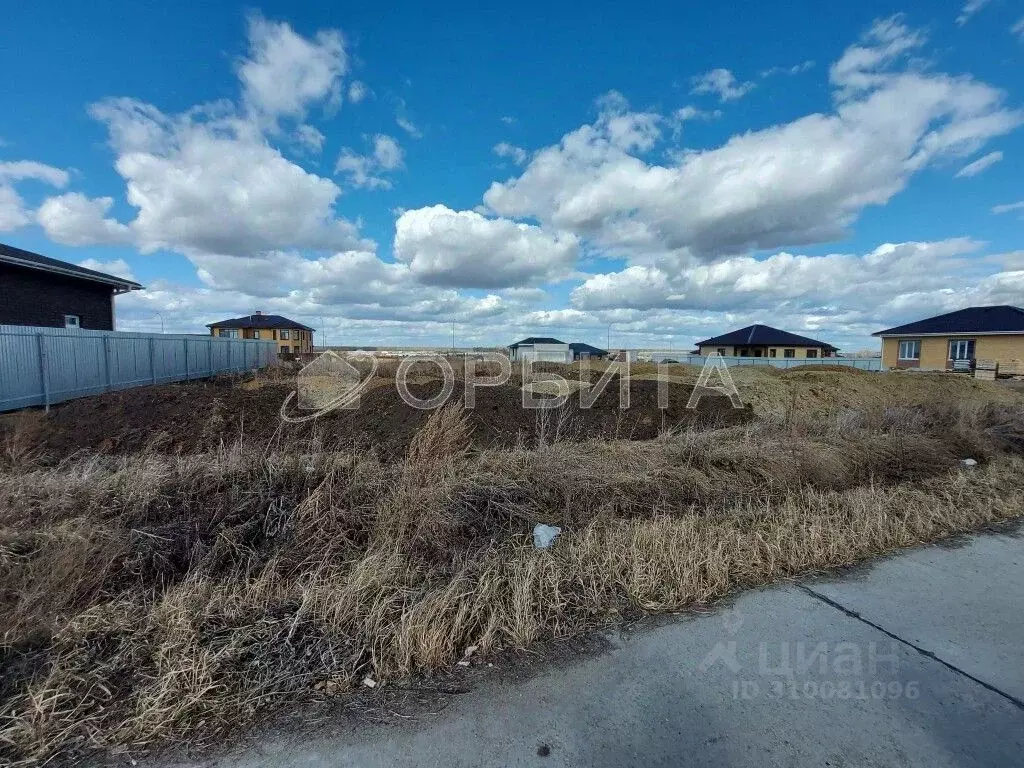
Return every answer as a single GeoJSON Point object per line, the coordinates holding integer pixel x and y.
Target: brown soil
{"type": "Point", "coordinates": [199, 416]}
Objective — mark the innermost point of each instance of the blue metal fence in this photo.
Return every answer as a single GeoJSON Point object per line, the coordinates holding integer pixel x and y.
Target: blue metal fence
{"type": "Point", "coordinates": [42, 366]}
{"type": "Point", "coordinates": [863, 363]}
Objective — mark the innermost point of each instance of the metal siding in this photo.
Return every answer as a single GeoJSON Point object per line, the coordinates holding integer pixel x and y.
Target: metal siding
{"type": "Point", "coordinates": [863, 363]}
{"type": "Point", "coordinates": [552, 353]}
{"type": "Point", "coordinates": [84, 362]}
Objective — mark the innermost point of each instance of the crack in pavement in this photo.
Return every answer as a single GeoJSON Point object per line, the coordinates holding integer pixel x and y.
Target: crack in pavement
{"type": "Point", "coordinates": [923, 651]}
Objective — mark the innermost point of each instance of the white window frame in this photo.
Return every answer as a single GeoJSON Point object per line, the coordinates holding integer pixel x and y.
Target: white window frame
{"type": "Point", "coordinates": [285, 335]}
{"type": "Point", "coordinates": [811, 354]}
{"type": "Point", "coordinates": [72, 321]}
{"type": "Point", "coordinates": [968, 349]}
{"type": "Point", "coordinates": [900, 353]}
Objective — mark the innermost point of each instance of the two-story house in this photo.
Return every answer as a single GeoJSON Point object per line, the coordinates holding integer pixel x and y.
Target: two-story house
{"type": "Point", "coordinates": [290, 335]}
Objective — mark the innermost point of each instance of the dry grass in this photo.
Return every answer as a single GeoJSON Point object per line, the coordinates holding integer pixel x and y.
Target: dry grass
{"type": "Point", "coordinates": [153, 597]}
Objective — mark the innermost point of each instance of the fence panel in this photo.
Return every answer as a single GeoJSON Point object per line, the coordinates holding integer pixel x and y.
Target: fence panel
{"type": "Point", "coordinates": [862, 363]}
{"type": "Point", "coordinates": [42, 366]}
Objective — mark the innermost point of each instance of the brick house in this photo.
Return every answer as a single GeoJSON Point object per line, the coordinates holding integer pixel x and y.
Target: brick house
{"type": "Point", "coordinates": [946, 341]}
{"type": "Point", "coordinates": [290, 335]}
{"type": "Point", "coordinates": [38, 290]}
{"type": "Point", "coordinates": [765, 341]}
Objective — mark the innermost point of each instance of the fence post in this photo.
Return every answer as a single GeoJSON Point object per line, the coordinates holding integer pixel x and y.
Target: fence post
{"type": "Point", "coordinates": [106, 361]}
{"type": "Point", "coordinates": [152, 360]}
{"type": "Point", "coordinates": [209, 355]}
{"type": "Point", "coordinates": [44, 370]}
{"type": "Point", "coordinates": [186, 359]}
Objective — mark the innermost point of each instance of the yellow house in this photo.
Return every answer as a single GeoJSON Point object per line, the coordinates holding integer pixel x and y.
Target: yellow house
{"type": "Point", "coordinates": [765, 341]}
{"type": "Point", "coordinates": [291, 336]}
{"type": "Point", "coordinates": [939, 343]}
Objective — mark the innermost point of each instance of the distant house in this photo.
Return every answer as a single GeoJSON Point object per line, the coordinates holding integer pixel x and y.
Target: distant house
{"type": "Point", "coordinates": [581, 351]}
{"type": "Point", "coordinates": [940, 342]}
{"type": "Point", "coordinates": [541, 349]}
{"type": "Point", "coordinates": [765, 341]}
{"type": "Point", "coordinates": [549, 350]}
{"type": "Point", "coordinates": [38, 290]}
{"type": "Point", "coordinates": [290, 335]}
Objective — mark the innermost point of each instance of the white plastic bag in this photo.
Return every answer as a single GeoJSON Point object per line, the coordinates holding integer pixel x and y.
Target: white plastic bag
{"type": "Point", "coordinates": [545, 535]}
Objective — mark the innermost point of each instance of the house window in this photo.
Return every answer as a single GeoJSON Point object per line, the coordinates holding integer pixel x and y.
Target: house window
{"type": "Point", "coordinates": [286, 349]}
{"type": "Point", "coordinates": [256, 334]}
{"type": "Point", "coordinates": [961, 349]}
{"type": "Point", "coordinates": [771, 352]}
{"type": "Point", "coordinates": [789, 353]}
{"type": "Point", "coordinates": [910, 350]}
{"type": "Point", "coordinates": [721, 351]}
{"type": "Point", "coordinates": [285, 335]}
{"type": "Point", "coordinates": [72, 321]}
{"type": "Point", "coordinates": [812, 353]}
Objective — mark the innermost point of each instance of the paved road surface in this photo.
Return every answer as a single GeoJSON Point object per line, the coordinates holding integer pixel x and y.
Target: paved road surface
{"type": "Point", "coordinates": [917, 660]}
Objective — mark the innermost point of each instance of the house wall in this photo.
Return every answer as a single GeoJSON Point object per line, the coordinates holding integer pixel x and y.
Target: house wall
{"type": "Point", "coordinates": [552, 353]}
{"type": "Point", "coordinates": [935, 350]}
{"type": "Point", "coordinates": [548, 353]}
{"type": "Point", "coordinates": [298, 340]}
{"type": "Point", "coordinates": [710, 350]}
{"type": "Point", "coordinates": [32, 297]}
{"type": "Point", "coordinates": [799, 352]}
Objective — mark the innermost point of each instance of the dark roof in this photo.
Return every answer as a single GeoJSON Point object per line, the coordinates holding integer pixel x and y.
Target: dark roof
{"type": "Point", "coordinates": [1001, 319]}
{"type": "Point", "coordinates": [21, 258]}
{"type": "Point", "coordinates": [535, 340]}
{"type": "Point", "coordinates": [763, 335]}
{"type": "Point", "coordinates": [260, 321]}
{"type": "Point", "coordinates": [578, 346]}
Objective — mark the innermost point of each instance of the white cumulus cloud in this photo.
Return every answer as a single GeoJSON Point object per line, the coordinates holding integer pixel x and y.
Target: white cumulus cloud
{"type": "Point", "coordinates": [800, 182]}
{"type": "Point", "coordinates": [466, 250]}
{"type": "Point", "coordinates": [365, 170]}
{"type": "Point", "coordinates": [284, 72]}
{"type": "Point", "coordinates": [357, 91]}
{"type": "Point", "coordinates": [516, 154]}
{"type": "Point", "coordinates": [723, 83]}
{"type": "Point", "coordinates": [117, 267]}
{"type": "Point", "coordinates": [14, 212]}
{"type": "Point", "coordinates": [74, 219]}
{"type": "Point", "coordinates": [205, 181]}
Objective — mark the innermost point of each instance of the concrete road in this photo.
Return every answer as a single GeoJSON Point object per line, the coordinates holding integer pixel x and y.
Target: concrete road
{"type": "Point", "coordinates": [917, 660]}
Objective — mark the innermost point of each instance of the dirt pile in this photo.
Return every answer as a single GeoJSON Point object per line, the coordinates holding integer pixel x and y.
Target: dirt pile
{"type": "Point", "coordinates": [199, 416]}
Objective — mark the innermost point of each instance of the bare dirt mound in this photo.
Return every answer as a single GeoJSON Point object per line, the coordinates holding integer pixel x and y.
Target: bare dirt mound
{"type": "Point", "coordinates": [199, 416]}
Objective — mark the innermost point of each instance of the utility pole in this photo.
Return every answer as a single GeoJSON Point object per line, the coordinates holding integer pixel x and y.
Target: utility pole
{"type": "Point", "coordinates": [453, 337]}
{"type": "Point", "coordinates": [609, 337]}
{"type": "Point", "coordinates": [323, 330]}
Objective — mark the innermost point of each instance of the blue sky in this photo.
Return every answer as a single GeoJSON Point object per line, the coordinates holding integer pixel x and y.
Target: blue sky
{"type": "Point", "coordinates": [673, 173]}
